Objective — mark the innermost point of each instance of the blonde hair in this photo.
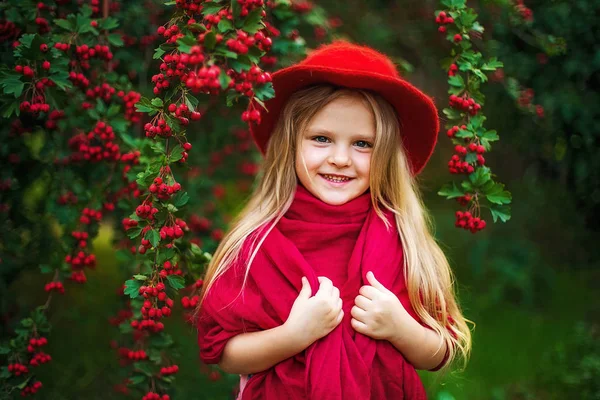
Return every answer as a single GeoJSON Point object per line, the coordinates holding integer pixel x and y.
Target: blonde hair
{"type": "Point", "coordinates": [428, 274]}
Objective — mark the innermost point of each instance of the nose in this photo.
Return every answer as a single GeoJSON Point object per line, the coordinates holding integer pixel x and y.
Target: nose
{"type": "Point", "coordinates": [340, 157]}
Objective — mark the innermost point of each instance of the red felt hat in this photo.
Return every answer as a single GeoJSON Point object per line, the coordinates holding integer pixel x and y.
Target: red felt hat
{"type": "Point", "coordinates": [349, 65]}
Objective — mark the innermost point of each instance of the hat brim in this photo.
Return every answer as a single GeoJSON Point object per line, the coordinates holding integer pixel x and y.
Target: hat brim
{"type": "Point", "coordinates": [416, 111]}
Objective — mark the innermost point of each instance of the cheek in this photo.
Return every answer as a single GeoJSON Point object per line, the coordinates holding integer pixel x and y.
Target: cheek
{"type": "Point", "coordinates": [363, 164]}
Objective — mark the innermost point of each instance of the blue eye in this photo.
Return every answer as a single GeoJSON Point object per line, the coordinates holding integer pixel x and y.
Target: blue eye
{"type": "Point", "coordinates": [320, 139]}
{"type": "Point", "coordinates": [363, 144]}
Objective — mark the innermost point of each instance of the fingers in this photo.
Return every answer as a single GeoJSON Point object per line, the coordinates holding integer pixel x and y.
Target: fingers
{"type": "Point", "coordinates": [369, 292]}
{"type": "Point", "coordinates": [362, 302]}
{"type": "Point", "coordinates": [358, 326]}
{"type": "Point", "coordinates": [358, 313]}
{"type": "Point", "coordinates": [306, 290]}
{"type": "Point", "coordinates": [325, 287]}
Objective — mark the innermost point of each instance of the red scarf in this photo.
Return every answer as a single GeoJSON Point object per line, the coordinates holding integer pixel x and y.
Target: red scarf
{"type": "Point", "coordinates": [316, 239]}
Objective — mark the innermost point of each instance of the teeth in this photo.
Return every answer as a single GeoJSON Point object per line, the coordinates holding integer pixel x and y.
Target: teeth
{"type": "Point", "coordinates": [335, 178]}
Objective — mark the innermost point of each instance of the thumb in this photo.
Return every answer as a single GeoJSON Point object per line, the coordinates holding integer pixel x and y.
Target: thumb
{"type": "Point", "coordinates": [374, 282]}
{"type": "Point", "coordinates": [306, 290]}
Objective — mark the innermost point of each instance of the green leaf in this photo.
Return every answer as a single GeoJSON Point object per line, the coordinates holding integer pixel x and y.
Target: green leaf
{"type": "Point", "coordinates": [264, 92]}
{"type": "Point", "coordinates": [157, 102]}
{"type": "Point", "coordinates": [12, 85]}
{"type": "Point", "coordinates": [500, 211]}
{"type": "Point", "coordinates": [132, 288]}
{"type": "Point", "coordinates": [211, 8]}
{"type": "Point", "coordinates": [450, 191]}
{"type": "Point", "coordinates": [176, 281]}
{"type": "Point", "coordinates": [224, 80]}
{"type": "Point", "coordinates": [210, 40]}
{"type": "Point", "coordinates": [153, 236]}
{"type": "Point", "coordinates": [225, 25]}
{"type": "Point", "coordinates": [253, 21]}
{"type": "Point", "coordinates": [480, 176]}
{"type": "Point", "coordinates": [476, 121]}
{"type": "Point", "coordinates": [10, 108]}
{"type": "Point", "coordinates": [464, 133]}
{"type": "Point", "coordinates": [65, 24]}
{"type": "Point", "coordinates": [479, 74]}
{"type": "Point", "coordinates": [456, 80]}
{"type": "Point", "coordinates": [134, 232]}
{"type": "Point", "coordinates": [141, 277]}
{"type": "Point", "coordinates": [165, 254]}
{"type": "Point", "coordinates": [186, 43]}
{"type": "Point", "coordinates": [176, 153]}
{"type": "Point", "coordinates": [180, 199]}
{"type": "Point", "coordinates": [115, 39]}
{"type": "Point", "coordinates": [454, 3]}
{"type": "Point", "coordinates": [492, 65]}
{"type": "Point", "coordinates": [144, 105]}
{"type": "Point", "coordinates": [477, 27]}
{"type": "Point", "coordinates": [46, 269]}
{"type": "Point", "coordinates": [136, 379]}
{"type": "Point", "coordinates": [158, 53]}
{"type": "Point", "coordinates": [471, 157]}
{"type": "Point", "coordinates": [451, 113]}
{"type": "Point", "coordinates": [497, 195]}
{"type": "Point", "coordinates": [143, 367]}
{"type": "Point", "coordinates": [108, 23]}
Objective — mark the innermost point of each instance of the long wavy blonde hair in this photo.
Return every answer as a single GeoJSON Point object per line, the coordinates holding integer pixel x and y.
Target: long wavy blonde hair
{"type": "Point", "coordinates": [430, 280]}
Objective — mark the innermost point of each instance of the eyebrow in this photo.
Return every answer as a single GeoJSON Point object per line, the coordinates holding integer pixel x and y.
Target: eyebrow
{"type": "Point", "coordinates": [328, 132]}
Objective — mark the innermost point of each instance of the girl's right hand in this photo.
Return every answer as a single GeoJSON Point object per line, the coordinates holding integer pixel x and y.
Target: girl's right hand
{"type": "Point", "coordinates": [312, 318]}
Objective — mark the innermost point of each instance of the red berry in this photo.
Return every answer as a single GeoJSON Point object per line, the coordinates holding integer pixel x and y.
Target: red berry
{"type": "Point", "coordinates": [46, 65]}
{"type": "Point", "coordinates": [457, 38]}
{"type": "Point", "coordinates": [44, 47]}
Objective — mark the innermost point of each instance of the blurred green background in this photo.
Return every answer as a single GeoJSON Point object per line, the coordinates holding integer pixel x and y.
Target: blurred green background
{"type": "Point", "coordinates": [530, 285]}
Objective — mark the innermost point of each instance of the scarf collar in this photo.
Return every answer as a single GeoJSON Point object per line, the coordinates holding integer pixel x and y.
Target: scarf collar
{"type": "Point", "coordinates": [307, 207]}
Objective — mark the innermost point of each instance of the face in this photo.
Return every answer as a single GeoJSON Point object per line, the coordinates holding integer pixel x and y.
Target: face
{"type": "Point", "coordinates": [333, 159]}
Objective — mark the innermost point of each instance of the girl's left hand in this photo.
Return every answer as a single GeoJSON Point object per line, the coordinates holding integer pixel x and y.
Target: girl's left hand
{"type": "Point", "coordinates": [377, 312]}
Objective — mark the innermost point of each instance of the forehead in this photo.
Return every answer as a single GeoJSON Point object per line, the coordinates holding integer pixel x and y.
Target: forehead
{"type": "Point", "coordinates": [345, 114]}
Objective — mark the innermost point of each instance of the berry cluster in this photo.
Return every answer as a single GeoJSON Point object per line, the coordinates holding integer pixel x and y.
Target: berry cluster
{"type": "Point", "coordinates": [82, 237]}
{"type": "Point", "coordinates": [451, 133]}
{"type": "Point", "coordinates": [174, 231]}
{"type": "Point", "coordinates": [104, 91]}
{"type": "Point", "coordinates": [452, 70]}
{"type": "Point", "coordinates": [39, 359]}
{"type": "Point", "coordinates": [35, 343]}
{"type": "Point", "coordinates": [136, 355]}
{"type": "Point", "coordinates": [524, 11]}
{"type": "Point", "coordinates": [170, 370]}
{"type": "Point", "coordinates": [464, 200]}
{"type": "Point", "coordinates": [205, 80]}
{"type": "Point", "coordinates": [130, 99]}
{"type": "Point", "coordinates": [443, 19]}
{"type": "Point", "coordinates": [457, 164]}
{"type": "Point", "coordinates": [188, 302]}
{"type": "Point", "coordinates": [162, 190]}
{"type": "Point", "coordinates": [78, 79]}
{"type": "Point", "coordinates": [88, 215]}
{"type": "Point", "coordinates": [150, 312]}
{"type": "Point", "coordinates": [68, 198]}
{"type": "Point", "coordinates": [57, 286]}
{"type": "Point", "coordinates": [17, 369]}
{"type": "Point", "coordinates": [210, 19]}
{"type": "Point", "coordinates": [26, 71]}
{"type": "Point", "coordinates": [242, 82]}
{"type": "Point", "coordinates": [53, 117]}
{"type": "Point", "coordinates": [155, 396]}
{"type": "Point", "coordinates": [251, 116]}
{"type": "Point", "coordinates": [183, 113]}
{"type": "Point", "coordinates": [464, 103]}
{"type": "Point", "coordinates": [128, 223]}
{"type": "Point", "coordinates": [161, 129]}
{"type": "Point", "coordinates": [171, 33]}
{"type": "Point", "coordinates": [146, 211]}
{"type": "Point", "coordinates": [466, 221]}
{"type": "Point", "coordinates": [170, 269]}
{"type": "Point", "coordinates": [32, 388]}
{"type": "Point", "coordinates": [81, 260]}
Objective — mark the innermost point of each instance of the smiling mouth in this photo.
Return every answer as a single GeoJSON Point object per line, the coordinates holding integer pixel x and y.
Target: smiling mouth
{"type": "Point", "coordinates": [334, 178]}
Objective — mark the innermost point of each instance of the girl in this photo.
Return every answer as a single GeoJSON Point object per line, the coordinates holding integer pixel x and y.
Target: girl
{"type": "Point", "coordinates": [329, 284]}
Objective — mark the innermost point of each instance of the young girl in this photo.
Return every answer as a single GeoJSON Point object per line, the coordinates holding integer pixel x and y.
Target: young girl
{"type": "Point", "coordinates": [329, 284]}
